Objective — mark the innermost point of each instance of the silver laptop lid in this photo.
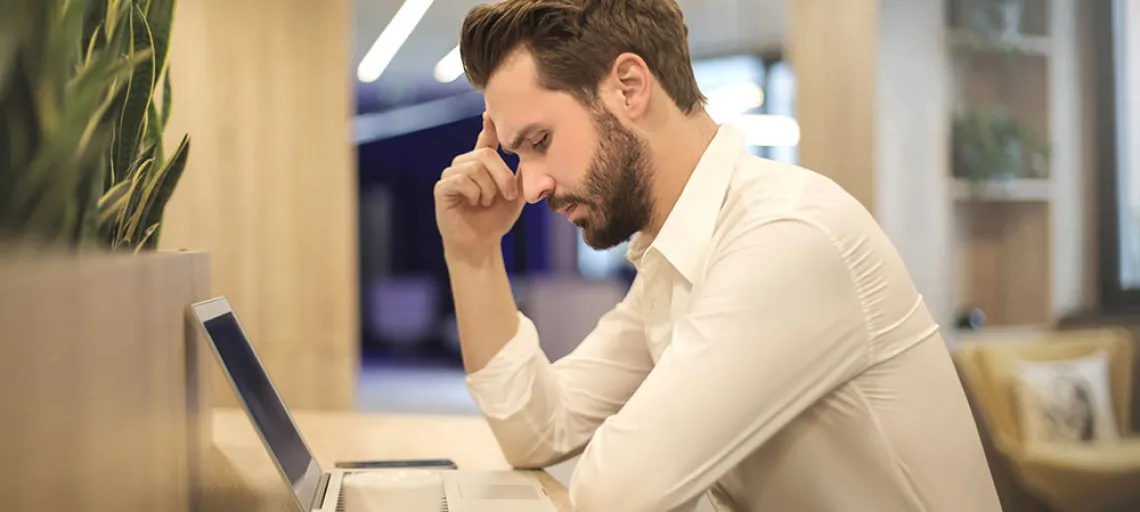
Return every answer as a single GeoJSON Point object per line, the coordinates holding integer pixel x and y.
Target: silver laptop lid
{"type": "Point", "coordinates": [260, 398]}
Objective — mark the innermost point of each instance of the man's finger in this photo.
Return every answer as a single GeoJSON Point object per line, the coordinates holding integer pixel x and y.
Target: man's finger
{"type": "Point", "coordinates": [498, 170]}
{"type": "Point", "coordinates": [460, 185]}
{"type": "Point", "coordinates": [487, 187]}
{"type": "Point", "coordinates": [488, 138]}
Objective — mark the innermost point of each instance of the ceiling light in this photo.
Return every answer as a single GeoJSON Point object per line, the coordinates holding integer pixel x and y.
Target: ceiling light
{"type": "Point", "coordinates": [391, 39]}
{"type": "Point", "coordinates": [450, 67]}
{"type": "Point", "coordinates": [767, 130]}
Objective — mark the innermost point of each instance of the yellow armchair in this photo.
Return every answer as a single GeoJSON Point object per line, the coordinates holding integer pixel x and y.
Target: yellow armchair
{"type": "Point", "coordinates": [1068, 477]}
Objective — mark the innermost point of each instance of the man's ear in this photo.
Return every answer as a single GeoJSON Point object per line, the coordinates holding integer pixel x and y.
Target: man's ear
{"type": "Point", "coordinates": [634, 84]}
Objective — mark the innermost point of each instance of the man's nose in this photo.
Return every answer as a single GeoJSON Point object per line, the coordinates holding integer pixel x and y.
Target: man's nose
{"type": "Point", "coordinates": [536, 184]}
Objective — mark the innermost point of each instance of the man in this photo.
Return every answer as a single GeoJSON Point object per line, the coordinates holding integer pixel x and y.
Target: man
{"type": "Point", "coordinates": [772, 349]}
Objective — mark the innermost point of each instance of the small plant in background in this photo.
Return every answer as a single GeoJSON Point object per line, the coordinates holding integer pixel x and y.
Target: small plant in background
{"type": "Point", "coordinates": [999, 18]}
{"type": "Point", "coordinates": [82, 163]}
{"type": "Point", "coordinates": [989, 144]}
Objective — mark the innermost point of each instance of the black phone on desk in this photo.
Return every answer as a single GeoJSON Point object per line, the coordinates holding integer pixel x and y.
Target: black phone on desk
{"type": "Point", "coordinates": [389, 464]}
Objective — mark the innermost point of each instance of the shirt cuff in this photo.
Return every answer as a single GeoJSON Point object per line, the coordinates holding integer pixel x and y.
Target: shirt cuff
{"type": "Point", "coordinates": [497, 387]}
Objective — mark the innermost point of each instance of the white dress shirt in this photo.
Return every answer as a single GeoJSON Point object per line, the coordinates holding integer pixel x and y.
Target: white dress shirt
{"type": "Point", "coordinates": [772, 351]}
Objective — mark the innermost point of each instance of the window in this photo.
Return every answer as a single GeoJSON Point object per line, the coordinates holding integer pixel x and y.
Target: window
{"type": "Point", "coordinates": [1118, 134]}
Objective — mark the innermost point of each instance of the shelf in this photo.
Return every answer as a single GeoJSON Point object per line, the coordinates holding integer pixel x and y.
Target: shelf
{"type": "Point", "coordinates": [1017, 190]}
{"type": "Point", "coordinates": [972, 40]}
{"type": "Point", "coordinates": [1002, 334]}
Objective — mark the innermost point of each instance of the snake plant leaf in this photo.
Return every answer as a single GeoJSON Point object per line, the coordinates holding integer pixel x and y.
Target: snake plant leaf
{"type": "Point", "coordinates": [77, 103]}
{"type": "Point", "coordinates": [113, 202]}
{"type": "Point", "coordinates": [61, 116]}
{"type": "Point", "coordinates": [166, 181]}
{"type": "Point", "coordinates": [141, 178]}
{"type": "Point", "coordinates": [154, 131]}
{"type": "Point", "coordinates": [167, 97]}
{"type": "Point", "coordinates": [160, 19]}
{"type": "Point", "coordinates": [138, 93]}
{"type": "Point", "coordinates": [93, 31]}
{"type": "Point", "coordinates": [149, 235]}
{"type": "Point", "coordinates": [90, 190]}
{"type": "Point", "coordinates": [10, 36]}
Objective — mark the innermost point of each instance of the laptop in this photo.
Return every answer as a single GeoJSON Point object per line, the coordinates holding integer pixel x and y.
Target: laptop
{"type": "Point", "coordinates": [319, 490]}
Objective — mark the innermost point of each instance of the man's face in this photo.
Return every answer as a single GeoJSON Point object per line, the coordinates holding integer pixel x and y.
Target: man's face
{"type": "Point", "coordinates": [581, 159]}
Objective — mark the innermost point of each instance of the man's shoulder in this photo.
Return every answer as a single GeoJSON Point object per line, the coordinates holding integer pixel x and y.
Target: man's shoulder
{"type": "Point", "coordinates": [763, 190]}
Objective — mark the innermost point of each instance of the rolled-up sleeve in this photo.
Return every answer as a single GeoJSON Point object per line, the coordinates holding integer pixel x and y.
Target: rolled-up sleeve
{"type": "Point", "coordinates": [541, 412]}
{"type": "Point", "coordinates": [776, 325]}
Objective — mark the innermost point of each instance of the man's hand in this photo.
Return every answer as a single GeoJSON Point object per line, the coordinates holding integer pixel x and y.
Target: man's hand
{"type": "Point", "coordinates": [478, 198]}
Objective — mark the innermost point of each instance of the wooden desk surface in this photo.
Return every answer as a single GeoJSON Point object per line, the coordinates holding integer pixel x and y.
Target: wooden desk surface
{"type": "Point", "coordinates": [242, 476]}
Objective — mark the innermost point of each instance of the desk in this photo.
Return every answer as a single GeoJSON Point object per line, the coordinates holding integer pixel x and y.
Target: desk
{"type": "Point", "coordinates": [242, 476]}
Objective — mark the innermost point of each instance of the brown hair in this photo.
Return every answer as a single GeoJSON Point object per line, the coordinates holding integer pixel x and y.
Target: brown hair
{"type": "Point", "coordinates": [575, 42]}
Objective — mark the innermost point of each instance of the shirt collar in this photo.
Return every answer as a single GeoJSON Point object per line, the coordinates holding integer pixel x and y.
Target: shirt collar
{"type": "Point", "coordinates": [688, 230]}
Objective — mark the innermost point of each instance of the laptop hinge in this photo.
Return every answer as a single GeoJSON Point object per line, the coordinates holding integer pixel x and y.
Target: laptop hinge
{"type": "Point", "coordinates": [319, 496]}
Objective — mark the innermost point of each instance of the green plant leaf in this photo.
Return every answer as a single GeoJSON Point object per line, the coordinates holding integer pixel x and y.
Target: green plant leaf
{"type": "Point", "coordinates": [146, 242]}
{"type": "Point", "coordinates": [154, 132]}
{"type": "Point", "coordinates": [167, 98]}
{"type": "Point", "coordinates": [160, 19]}
{"type": "Point", "coordinates": [77, 103]}
{"type": "Point", "coordinates": [167, 181]}
{"type": "Point", "coordinates": [67, 124]}
{"type": "Point", "coordinates": [138, 93]}
{"type": "Point", "coordinates": [141, 177]}
{"type": "Point", "coordinates": [10, 38]}
{"type": "Point", "coordinates": [93, 29]}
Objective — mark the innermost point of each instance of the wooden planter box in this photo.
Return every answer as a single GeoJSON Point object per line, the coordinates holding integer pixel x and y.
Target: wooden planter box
{"type": "Point", "coordinates": [104, 384]}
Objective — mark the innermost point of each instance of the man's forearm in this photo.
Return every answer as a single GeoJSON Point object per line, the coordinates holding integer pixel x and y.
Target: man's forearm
{"type": "Point", "coordinates": [484, 306]}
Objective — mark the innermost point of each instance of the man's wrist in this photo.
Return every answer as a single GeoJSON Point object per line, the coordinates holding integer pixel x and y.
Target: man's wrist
{"type": "Point", "coordinates": [473, 258]}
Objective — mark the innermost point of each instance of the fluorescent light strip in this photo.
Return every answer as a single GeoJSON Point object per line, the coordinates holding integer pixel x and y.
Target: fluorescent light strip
{"type": "Point", "coordinates": [391, 39]}
{"type": "Point", "coordinates": [450, 67]}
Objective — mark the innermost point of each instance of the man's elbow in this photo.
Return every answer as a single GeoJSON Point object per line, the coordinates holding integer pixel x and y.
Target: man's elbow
{"type": "Point", "coordinates": [595, 496]}
{"type": "Point", "coordinates": [622, 492]}
{"type": "Point", "coordinates": [538, 453]}
{"type": "Point", "coordinates": [525, 459]}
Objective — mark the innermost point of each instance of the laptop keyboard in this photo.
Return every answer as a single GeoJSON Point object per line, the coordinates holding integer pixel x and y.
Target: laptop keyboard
{"type": "Point", "coordinates": [341, 508]}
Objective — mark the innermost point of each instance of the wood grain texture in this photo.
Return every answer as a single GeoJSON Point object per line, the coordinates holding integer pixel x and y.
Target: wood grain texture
{"type": "Point", "coordinates": [244, 479]}
{"type": "Point", "coordinates": [832, 46]}
{"type": "Point", "coordinates": [101, 399]}
{"type": "Point", "coordinates": [270, 191]}
{"type": "Point", "coordinates": [1005, 250]}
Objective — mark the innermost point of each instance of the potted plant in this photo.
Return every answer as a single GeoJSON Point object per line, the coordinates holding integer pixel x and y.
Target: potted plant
{"type": "Point", "coordinates": [999, 19]}
{"type": "Point", "coordinates": [95, 342]}
{"type": "Point", "coordinates": [84, 165]}
{"type": "Point", "coordinates": [990, 145]}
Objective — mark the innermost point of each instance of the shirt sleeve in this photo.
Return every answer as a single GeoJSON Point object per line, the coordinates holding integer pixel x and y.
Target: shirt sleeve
{"type": "Point", "coordinates": [776, 324]}
{"type": "Point", "coordinates": [541, 412]}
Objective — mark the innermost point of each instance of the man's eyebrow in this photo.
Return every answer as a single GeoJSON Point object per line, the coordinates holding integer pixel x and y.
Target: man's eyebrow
{"type": "Point", "coordinates": [513, 146]}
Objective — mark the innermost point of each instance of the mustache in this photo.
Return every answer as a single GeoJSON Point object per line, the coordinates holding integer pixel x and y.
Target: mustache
{"type": "Point", "coordinates": [557, 203]}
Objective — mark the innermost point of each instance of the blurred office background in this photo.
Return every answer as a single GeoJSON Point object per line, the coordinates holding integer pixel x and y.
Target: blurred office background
{"type": "Point", "coordinates": [416, 111]}
{"type": "Point", "coordinates": [990, 138]}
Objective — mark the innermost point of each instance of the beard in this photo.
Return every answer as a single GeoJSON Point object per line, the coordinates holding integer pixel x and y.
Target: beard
{"type": "Point", "coordinates": [617, 186]}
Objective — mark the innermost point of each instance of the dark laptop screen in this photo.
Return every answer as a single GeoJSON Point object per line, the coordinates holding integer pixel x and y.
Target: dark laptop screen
{"type": "Point", "coordinates": [255, 388]}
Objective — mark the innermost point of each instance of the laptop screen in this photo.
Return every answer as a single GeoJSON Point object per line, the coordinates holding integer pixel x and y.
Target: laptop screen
{"type": "Point", "coordinates": [261, 400]}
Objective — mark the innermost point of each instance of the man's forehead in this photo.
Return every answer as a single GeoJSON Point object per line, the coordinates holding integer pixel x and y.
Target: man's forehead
{"type": "Point", "coordinates": [512, 91]}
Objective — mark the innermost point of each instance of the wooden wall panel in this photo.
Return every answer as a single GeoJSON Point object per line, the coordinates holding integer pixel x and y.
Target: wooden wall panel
{"type": "Point", "coordinates": [102, 400]}
{"type": "Point", "coordinates": [832, 47]}
{"type": "Point", "coordinates": [264, 89]}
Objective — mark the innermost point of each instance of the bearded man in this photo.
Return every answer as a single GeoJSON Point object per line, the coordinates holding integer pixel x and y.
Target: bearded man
{"type": "Point", "coordinates": [772, 351]}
